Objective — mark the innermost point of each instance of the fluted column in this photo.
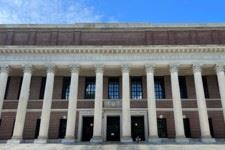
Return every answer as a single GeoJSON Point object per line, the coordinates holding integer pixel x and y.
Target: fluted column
{"type": "Point", "coordinates": [221, 83]}
{"type": "Point", "coordinates": [97, 131]}
{"type": "Point", "coordinates": [46, 107]}
{"type": "Point", "coordinates": [202, 109]}
{"type": "Point", "coordinates": [22, 105]}
{"type": "Point", "coordinates": [177, 107]}
{"type": "Point", "coordinates": [152, 116]}
{"type": "Point", "coordinates": [3, 83]}
{"type": "Point", "coordinates": [71, 115]}
{"type": "Point", "coordinates": [126, 117]}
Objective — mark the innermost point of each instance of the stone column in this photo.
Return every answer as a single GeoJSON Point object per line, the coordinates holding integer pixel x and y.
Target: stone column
{"type": "Point", "coordinates": [221, 83]}
{"type": "Point", "coordinates": [71, 115]}
{"type": "Point", "coordinates": [126, 117]}
{"type": "Point", "coordinates": [177, 107]}
{"type": "Point", "coordinates": [152, 116]}
{"type": "Point", "coordinates": [22, 106]}
{"type": "Point", "coordinates": [202, 109]}
{"type": "Point", "coordinates": [3, 82]}
{"type": "Point", "coordinates": [97, 132]}
{"type": "Point", "coordinates": [46, 107]}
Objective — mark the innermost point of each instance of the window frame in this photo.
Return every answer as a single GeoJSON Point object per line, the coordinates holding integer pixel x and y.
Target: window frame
{"type": "Point", "coordinates": [114, 88]}
{"type": "Point", "coordinates": [161, 92]}
{"type": "Point", "coordinates": [136, 88]}
{"type": "Point", "coordinates": [66, 88]}
{"type": "Point", "coordinates": [183, 87]}
{"type": "Point", "coordinates": [92, 88]}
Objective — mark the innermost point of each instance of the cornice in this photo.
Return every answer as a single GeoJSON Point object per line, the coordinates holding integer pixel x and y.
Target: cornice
{"type": "Point", "coordinates": [111, 49]}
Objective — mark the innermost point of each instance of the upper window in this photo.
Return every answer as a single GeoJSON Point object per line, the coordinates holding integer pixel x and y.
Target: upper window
{"type": "Point", "coordinates": [66, 88]}
{"type": "Point", "coordinates": [136, 88]}
{"type": "Point", "coordinates": [7, 88]}
{"type": "Point", "coordinates": [90, 88]}
{"type": "Point", "coordinates": [113, 88]}
{"type": "Point", "coordinates": [42, 90]}
{"type": "Point", "coordinates": [205, 86]}
{"type": "Point", "coordinates": [183, 87]}
{"type": "Point", "coordinates": [159, 88]}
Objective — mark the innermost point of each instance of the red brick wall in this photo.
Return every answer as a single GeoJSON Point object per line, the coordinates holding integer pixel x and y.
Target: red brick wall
{"type": "Point", "coordinates": [107, 37]}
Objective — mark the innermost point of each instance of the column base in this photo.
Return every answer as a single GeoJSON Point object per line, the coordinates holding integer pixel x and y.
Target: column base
{"type": "Point", "coordinates": [14, 141]}
{"type": "Point", "coordinates": [182, 140]}
{"type": "Point", "coordinates": [96, 139]}
{"type": "Point", "coordinates": [208, 140]}
{"type": "Point", "coordinates": [126, 139]}
{"type": "Point", "coordinates": [68, 141]}
{"type": "Point", "coordinates": [154, 140]}
{"type": "Point", "coordinates": [40, 141]}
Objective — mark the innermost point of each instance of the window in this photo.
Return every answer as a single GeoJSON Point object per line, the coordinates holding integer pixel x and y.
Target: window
{"type": "Point", "coordinates": [7, 88]}
{"type": "Point", "coordinates": [113, 88]}
{"type": "Point", "coordinates": [136, 88]}
{"type": "Point", "coordinates": [20, 86]}
{"type": "Point", "coordinates": [205, 86]}
{"type": "Point", "coordinates": [187, 129]}
{"type": "Point", "coordinates": [42, 88]}
{"type": "Point", "coordinates": [66, 88]}
{"type": "Point", "coordinates": [90, 88]}
{"type": "Point", "coordinates": [159, 88]}
{"type": "Point", "coordinates": [183, 87]}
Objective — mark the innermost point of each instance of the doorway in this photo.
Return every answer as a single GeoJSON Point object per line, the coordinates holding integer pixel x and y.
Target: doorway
{"type": "Point", "coordinates": [87, 130]}
{"type": "Point", "coordinates": [113, 128]}
{"type": "Point", "coordinates": [137, 128]}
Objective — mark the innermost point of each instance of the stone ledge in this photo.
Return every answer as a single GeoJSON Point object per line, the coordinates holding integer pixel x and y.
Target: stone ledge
{"type": "Point", "coordinates": [110, 146]}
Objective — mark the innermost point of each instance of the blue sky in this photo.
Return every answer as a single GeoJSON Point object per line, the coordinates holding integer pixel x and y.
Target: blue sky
{"type": "Point", "coordinates": [79, 11]}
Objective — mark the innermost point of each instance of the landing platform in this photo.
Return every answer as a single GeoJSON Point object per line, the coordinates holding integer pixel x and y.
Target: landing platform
{"type": "Point", "coordinates": [84, 146]}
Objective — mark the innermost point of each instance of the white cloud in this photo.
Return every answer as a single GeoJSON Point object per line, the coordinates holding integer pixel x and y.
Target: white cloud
{"type": "Point", "coordinates": [47, 12]}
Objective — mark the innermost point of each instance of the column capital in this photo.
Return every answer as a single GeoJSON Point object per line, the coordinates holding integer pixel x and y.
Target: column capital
{"type": "Point", "coordinates": [197, 67]}
{"type": "Point", "coordinates": [125, 68]}
{"type": "Point", "coordinates": [150, 68]}
{"type": "Point", "coordinates": [74, 68]}
{"type": "Point", "coordinates": [173, 68]}
{"type": "Point", "coordinates": [50, 68]}
{"type": "Point", "coordinates": [219, 67]}
{"type": "Point", "coordinates": [4, 68]}
{"type": "Point", "coordinates": [99, 68]}
{"type": "Point", "coordinates": [27, 68]}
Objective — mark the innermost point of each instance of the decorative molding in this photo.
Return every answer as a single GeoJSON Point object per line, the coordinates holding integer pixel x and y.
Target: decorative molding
{"type": "Point", "coordinates": [197, 67]}
{"type": "Point", "coordinates": [4, 68]}
{"type": "Point", "coordinates": [149, 68]}
{"type": "Point", "coordinates": [173, 67]}
{"type": "Point", "coordinates": [99, 68]}
{"type": "Point", "coordinates": [74, 68]}
{"type": "Point", "coordinates": [50, 68]}
{"type": "Point", "coordinates": [27, 68]}
{"type": "Point", "coordinates": [219, 67]}
{"type": "Point", "coordinates": [125, 68]}
{"type": "Point", "coordinates": [111, 49]}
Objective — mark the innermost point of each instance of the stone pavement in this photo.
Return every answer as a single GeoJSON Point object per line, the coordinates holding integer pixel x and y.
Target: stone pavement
{"type": "Point", "coordinates": [111, 147]}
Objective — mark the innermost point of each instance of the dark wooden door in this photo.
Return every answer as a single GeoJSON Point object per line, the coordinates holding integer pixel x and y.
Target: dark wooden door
{"type": "Point", "coordinates": [113, 128]}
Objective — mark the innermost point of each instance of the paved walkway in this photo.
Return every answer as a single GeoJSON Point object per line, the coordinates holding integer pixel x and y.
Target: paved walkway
{"type": "Point", "coordinates": [111, 147]}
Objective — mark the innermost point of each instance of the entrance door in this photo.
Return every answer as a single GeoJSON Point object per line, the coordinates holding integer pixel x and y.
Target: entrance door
{"type": "Point", "coordinates": [87, 130]}
{"type": "Point", "coordinates": [187, 129]}
{"type": "Point", "coordinates": [162, 127]}
{"type": "Point", "coordinates": [37, 128]}
{"type": "Point", "coordinates": [113, 128]}
{"type": "Point", "coordinates": [137, 128]}
{"type": "Point", "coordinates": [62, 128]}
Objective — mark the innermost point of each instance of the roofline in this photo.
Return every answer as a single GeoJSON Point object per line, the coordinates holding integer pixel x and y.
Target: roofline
{"type": "Point", "coordinates": [112, 26]}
